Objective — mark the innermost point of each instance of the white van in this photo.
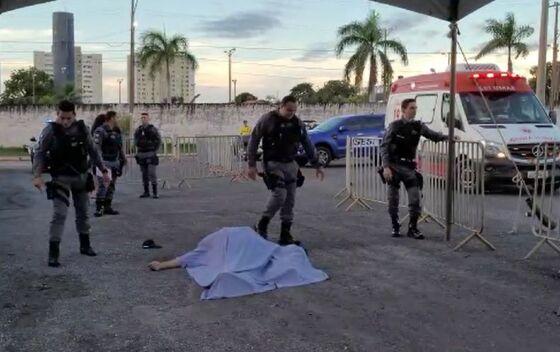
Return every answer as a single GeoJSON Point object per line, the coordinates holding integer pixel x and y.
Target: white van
{"type": "Point", "coordinates": [518, 114]}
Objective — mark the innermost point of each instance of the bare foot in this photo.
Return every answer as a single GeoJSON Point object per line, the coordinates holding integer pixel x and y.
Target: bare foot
{"type": "Point", "coordinates": [155, 265]}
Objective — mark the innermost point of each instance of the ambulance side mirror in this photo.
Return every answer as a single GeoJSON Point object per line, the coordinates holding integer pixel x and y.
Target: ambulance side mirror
{"type": "Point", "coordinates": [553, 116]}
{"type": "Point", "coordinates": [342, 129]}
{"type": "Point", "coordinates": [458, 122]}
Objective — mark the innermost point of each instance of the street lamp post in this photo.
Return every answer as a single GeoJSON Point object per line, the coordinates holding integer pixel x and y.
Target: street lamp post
{"type": "Point", "coordinates": [229, 54]}
{"type": "Point", "coordinates": [120, 80]}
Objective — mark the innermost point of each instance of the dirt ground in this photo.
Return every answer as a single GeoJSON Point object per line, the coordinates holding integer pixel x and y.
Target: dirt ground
{"type": "Point", "coordinates": [384, 294]}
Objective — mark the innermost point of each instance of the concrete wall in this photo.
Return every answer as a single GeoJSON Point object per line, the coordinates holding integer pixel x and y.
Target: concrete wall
{"type": "Point", "coordinates": [18, 124]}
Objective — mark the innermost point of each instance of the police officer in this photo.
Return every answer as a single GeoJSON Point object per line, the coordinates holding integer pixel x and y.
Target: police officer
{"type": "Point", "coordinates": [281, 132]}
{"type": "Point", "coordinates": [108, 139]}
{"type": "Point", "coordinates": [63, 151]}
{"type": "Point", "coordinates": [147, 141]}
{"type": "Point", "coordinates": [398, 153]}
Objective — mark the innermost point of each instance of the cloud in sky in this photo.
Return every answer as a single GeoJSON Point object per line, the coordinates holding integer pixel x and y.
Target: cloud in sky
{"type": "Point", "coordinates": [247, 24]}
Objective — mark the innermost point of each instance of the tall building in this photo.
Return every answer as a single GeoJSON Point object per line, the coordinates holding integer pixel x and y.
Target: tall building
{"type": "Point", "coordinates": [63, 49]}
{"type": "Point", "coordinates": [88, 68]}
{"type": "Point", "coordinates": [150, 90]}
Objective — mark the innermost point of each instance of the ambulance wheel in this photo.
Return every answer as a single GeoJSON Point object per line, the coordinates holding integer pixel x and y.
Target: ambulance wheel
{"type": "Point", "coordinates": [324, 155]}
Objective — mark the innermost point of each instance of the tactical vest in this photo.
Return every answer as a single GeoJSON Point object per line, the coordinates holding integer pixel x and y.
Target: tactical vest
{"type": "Point", "coordinates": [111, 144]}
{"type": "Point", "coordinates": [68, 154]}
{"type": "Point", "coordinates": [147, 139]}
{"type": "Point", "coordinates": [406, 136]}
{"type": "Point", "coordinates": [283, 141]}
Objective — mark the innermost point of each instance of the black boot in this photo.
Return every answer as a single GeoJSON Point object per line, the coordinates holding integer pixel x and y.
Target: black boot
{"type": "Point", "coordinates": [396, 227]}
{"type": "Point", "coordinates": [262, 227]}
{"type": "Point", "coordinates": [413, 231]}
{"type": "Point", "coordinates": [99, 208]}
{"type": "Point", "coordinates": [85, 247]}
{"type": "Point", "coordinates": [154, 191]}
{"type": "Point", "coordinates": [108, 209]}
{"type": "Point", "coordinates": [54, 252]}
{"type": "Point", "coordinates": [285, 235]}
{"type": "Point", "coordinates": [146, 193]}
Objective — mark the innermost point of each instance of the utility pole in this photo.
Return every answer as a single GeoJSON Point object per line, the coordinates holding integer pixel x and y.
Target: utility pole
{"type": "Point", "coordinates": [33, 83]}
{"type": "Point", "coordinates": [554, 94]}
{"type": "Point", "coordinates": [234, 88]}
{"type": "Point", "coordinates": [229, 54]}
{"type": "Point", "coordinates": [385, 83]}
{"type": "Point", "coordinates": [132, 71]}
{"type": "Point", "coordinates": [541, 72]}
{"type": "Point", "coordinates": [120, 80]}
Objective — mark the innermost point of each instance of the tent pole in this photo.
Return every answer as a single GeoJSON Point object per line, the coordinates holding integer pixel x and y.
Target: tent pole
{"type": "Point", "coordinates": [451, 125]}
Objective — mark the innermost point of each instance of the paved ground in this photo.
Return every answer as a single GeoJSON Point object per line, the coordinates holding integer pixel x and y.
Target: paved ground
{"type": "Point", "coordinates": [384, 294]}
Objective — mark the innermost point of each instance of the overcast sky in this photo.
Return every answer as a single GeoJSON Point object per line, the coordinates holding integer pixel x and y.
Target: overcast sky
{"type": "Point", "coordinates": [279, 42]}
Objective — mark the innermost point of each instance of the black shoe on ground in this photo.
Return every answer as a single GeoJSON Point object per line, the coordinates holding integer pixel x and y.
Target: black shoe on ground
{"type": "Point", "coordinates": [285, 235]}
{"type": "Point", "coordinates": [155, 191]}
{"type": "Point", "coordinates": [54, 252]}
{"type": "Point", "coordinates": [262, 227]}
{"type": "Point", "coordinates": [109, 209]}
{"type": "Point", "coordinates": [396, 232]}
{"type": "Point", "coordinates": [145, 195]}
{"type": "Point", "coordinates": [415, 233]}
{"type": "Point", "coordinates": [85, 247]}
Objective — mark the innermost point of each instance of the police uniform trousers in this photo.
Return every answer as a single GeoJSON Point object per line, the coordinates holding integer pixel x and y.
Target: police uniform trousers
{"type": "Point", "coordinates": [76, 187]}
{"type": "Point", "coordinates": [105, 193]}
{"type": "Point", "coordinates": [407, 175]}
{"type": "Point", "coordinates": [283, 195]}
{"type": "Point", "coordinates": [147, 167]}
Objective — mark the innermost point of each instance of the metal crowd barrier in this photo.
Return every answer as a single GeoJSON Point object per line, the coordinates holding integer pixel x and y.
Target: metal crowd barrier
{"type": "Point", "coordinates": [468, 190]}
{"type": "Point", "coordinates": [207, 157]}
{"type": "Point", "coordinates": [364, 185]}
{"type": "Point", "coordinates": [543, 202]}
{"type": "Point", "coordinates": [132, 174]}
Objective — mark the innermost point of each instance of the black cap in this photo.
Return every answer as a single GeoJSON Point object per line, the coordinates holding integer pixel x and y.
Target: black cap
{"type": "Point", "coordinates": [149, 244]}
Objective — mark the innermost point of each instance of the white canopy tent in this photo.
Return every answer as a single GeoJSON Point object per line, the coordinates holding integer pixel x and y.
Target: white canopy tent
{"type": "Point", "coordinates": [451, 11]}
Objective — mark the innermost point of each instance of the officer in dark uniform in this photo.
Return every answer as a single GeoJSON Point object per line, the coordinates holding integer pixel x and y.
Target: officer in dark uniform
{"type": "Point", "coordinates": [398, 153]}
{"type": "Point", "coordinates": [147, 141]}
{"type": "Point", "coordinates": [282, 132]}
{"type": "Point", "coordinates": [63, 151]}
{"type": "Point", "coordinates": [108, 139]}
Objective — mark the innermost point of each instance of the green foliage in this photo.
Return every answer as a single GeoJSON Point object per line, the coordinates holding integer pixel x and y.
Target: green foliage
{"type": "Point", "coordinates": [244, 97]}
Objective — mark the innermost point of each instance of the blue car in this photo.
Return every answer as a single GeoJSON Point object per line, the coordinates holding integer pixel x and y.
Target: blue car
{"type": "Point", "coordinates": [329, 137]}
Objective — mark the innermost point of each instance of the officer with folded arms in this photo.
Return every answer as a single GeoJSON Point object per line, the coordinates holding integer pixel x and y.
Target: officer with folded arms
{"type": "Point", "coordinates": [63, 151]}
{"type": "Point", "coordinates": [147, 141]}
{"type": "Point", "coordinates": [398, 154]}
{"type": "Point", "coordinates": [281, 132]}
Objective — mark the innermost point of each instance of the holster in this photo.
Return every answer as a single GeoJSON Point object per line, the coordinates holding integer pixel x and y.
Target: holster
{"type": "Point", "coordinates": [300, 179]}
{"type": "Point", "coordinates": [90, 184]}
{"type": "Point", "coordinates": [420, 180]}
{"type": "Point", "coordinates": [270, 180]}
{"type": "Point", "coordinates": [380, 172]}
{"type": "Point", "coordinates": [51, 190]}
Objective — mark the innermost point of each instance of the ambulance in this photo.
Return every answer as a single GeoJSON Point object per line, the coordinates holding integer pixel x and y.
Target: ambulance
{"type": "Point", "coordinates": [517, 113]}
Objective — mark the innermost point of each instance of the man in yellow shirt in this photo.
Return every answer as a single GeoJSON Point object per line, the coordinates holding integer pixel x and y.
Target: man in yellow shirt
{"type": "Point", "coordinates": [245, 132]}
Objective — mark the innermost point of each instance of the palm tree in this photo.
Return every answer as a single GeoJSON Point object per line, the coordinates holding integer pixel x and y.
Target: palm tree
{"type": "Point", "coordinates": [158, 52]}
{"type": "Point", "coordinates": [372, 44]}
{"type": "Point", "coordinates": [509, 35]}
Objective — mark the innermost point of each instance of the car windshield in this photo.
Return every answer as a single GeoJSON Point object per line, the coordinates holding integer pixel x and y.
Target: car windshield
{"type": "Point", "coordinates": [506, 107]}
{"type": "Point", "coordinates": [328, 125]}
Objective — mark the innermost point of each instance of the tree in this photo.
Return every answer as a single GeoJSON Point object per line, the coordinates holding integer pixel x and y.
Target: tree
{"type": "Point", "coordinates": [336, 92]}
{"type": "Point", "coordinates": [271, 99]}
{"type": "Point", "coordinates": [506, 35]}
{"type": "Point", "coordinates": [533, 80]}
{"type": "Point", "coordinates": [371, 44]}
{"type": "Point", "coordinates": [244, 97]}
{"type": "Point", "coordinates": [304, 93]}
{"type": "Point", "coordinates": [158, 52]}
{"type": "Point", "coordinates": [19, 88]}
